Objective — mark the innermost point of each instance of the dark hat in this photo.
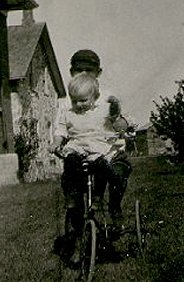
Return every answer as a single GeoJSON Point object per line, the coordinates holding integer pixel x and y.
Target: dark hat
{"type": "Point", "coordinates": [87, 57]}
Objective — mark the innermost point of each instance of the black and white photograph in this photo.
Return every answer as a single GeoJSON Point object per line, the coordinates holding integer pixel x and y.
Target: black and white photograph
{"type": "Point", "coordinates": [91, 140]}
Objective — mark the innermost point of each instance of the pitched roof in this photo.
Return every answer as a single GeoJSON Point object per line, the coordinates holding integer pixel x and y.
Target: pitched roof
{"type": "Point", "coordinates": [145, 127]}
{"type": "Point", "coordinates": [22, 43]}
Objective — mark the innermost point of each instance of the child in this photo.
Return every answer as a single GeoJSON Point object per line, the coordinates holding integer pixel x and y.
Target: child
{"type": "Point", "coordinates": [90, 129]}
{"type": "Point", "coordinates": [85, 61]}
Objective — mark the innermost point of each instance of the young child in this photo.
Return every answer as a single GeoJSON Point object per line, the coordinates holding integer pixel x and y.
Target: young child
{"type": "Point", "coordinates": [91, 129]}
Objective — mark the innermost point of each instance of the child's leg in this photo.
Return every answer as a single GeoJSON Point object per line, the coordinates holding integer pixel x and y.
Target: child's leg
{"type": "Point", "coordinates": [121, 169]}
{"type": "Point", "coordinates": [100, 168]}
{"type": "Point", "coordinates": [116, 193]}
{"type": "Point", "coordinates": [72, 184]}
{"type": "Point", "coordinates": [72, 180]}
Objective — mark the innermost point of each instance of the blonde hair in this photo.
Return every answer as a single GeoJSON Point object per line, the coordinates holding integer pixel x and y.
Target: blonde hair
{"type": "Point", "coordinates": [84, 82]}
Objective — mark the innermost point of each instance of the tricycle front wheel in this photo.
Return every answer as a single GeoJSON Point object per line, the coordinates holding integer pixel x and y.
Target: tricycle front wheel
{"type": "Point", "coordinates": [88, 251]}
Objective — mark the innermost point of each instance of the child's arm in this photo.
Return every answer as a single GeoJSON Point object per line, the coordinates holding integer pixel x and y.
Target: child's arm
{"type": "Point", "coordinates": [60, 130]}
{"type": "Point", "coordinates": [114, 108]}
{"type": "Point", "coordinates": [58, 144]}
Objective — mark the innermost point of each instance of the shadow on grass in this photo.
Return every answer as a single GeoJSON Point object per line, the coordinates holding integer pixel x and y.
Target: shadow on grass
{"type": "Point", "coordinates": [105, 253]}
{"type": "Point", "coordinates": [173, 271]}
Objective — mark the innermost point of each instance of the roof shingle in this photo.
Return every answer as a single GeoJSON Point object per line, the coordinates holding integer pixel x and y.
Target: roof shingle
{"type": "Point", "coordinates": [22, 43]}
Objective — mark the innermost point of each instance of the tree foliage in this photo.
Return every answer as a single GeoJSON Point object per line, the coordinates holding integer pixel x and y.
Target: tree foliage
{"type": "Point", "coordinates": [169, 120]}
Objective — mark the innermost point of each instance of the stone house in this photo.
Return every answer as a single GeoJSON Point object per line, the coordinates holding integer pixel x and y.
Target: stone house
{"type": "Point", "coordinates": [36, 84]}
{"type": "Point", "coordinates": [149, 143]}
{"type": "Point", "coordinates": [8, 159]}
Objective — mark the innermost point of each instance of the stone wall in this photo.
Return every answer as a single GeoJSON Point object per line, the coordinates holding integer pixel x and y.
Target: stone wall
{"type": "Point", "coordinates": [36, 99]}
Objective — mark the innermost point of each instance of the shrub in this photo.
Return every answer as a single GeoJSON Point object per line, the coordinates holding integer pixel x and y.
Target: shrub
{"type": "Point", "coordinates": [169, 120]}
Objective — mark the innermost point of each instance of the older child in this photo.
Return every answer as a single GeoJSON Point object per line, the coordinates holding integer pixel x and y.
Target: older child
{"type": "Point", "coordinates": [90, 129]}
{"type": "Point", "coordinates": [85, 60]}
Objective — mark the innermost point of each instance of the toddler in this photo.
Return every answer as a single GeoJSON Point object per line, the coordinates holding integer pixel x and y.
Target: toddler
{"type": "Point", "coordinates": [93, 130]}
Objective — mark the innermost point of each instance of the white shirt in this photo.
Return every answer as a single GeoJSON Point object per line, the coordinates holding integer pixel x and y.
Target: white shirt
{"type": "Point", "coordinates": [88, 133]}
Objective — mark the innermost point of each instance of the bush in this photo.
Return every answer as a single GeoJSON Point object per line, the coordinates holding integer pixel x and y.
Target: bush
{"type": "Point", "coordinates": [169, 121]}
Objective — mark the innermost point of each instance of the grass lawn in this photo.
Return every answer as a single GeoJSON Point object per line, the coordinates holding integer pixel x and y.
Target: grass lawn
{"type": "Point", "coordinates": [32, 216]}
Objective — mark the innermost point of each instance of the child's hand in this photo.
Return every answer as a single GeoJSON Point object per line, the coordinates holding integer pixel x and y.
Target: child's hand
{"type": "Point", "coordinates": [57, 145]}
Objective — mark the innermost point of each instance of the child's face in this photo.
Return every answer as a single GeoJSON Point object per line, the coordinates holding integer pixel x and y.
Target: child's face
{"type": "Point", "coordinates": [82, 102]}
